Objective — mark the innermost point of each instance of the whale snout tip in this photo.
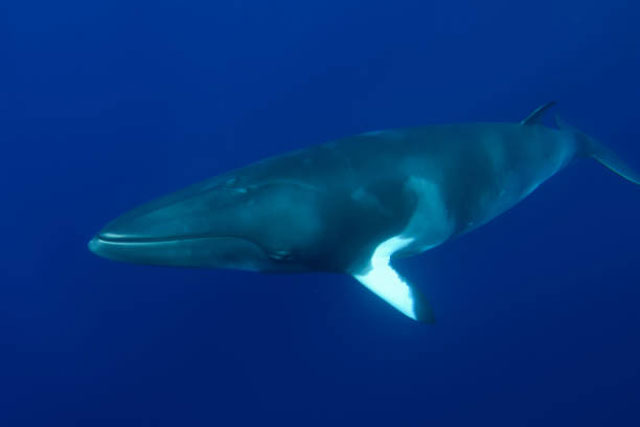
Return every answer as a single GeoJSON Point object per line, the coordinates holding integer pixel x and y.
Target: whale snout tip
{"type": "Point", "coordinates": [95, 245]}
{"type": "Point", "coordinates": [103, 246]}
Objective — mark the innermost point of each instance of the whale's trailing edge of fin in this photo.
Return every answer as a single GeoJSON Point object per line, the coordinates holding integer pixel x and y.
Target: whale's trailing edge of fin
{"type": "Point", "coordinates": [590, 147]}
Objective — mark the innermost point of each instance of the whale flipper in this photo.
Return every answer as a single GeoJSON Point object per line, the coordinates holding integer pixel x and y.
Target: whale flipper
{"type": "Point", "coordinates": [380, 278]}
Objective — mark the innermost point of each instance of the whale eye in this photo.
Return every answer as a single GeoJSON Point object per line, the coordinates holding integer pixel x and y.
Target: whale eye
{"type": "Point", "coordinates": [280, 255]}
{"type": "Point", "coordinates": [240, 190]}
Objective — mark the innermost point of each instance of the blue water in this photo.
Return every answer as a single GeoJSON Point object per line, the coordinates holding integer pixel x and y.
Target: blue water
{"type": "Point", "coordinates": [107, 104]}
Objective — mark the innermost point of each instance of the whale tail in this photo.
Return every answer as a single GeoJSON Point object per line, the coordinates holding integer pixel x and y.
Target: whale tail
{"type": "Point", "coordinates": [606, 157]}
{"type": "Point", "coordinates": [590, 147]}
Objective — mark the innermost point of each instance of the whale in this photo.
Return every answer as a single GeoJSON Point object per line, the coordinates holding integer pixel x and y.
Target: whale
{"type": "Point", "coordinates": [355, 204]}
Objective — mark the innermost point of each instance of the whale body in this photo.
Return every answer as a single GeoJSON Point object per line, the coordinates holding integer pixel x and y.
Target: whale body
{"type": "Point", "coordinates": [354, 204]}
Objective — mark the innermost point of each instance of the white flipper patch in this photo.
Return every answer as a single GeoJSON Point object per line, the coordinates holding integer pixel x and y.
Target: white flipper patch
{"type": "Point", "coordinates": [385, 282]}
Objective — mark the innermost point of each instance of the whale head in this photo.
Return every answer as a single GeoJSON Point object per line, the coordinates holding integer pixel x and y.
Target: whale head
{"type": "Point", "coordinates": [220, 223]}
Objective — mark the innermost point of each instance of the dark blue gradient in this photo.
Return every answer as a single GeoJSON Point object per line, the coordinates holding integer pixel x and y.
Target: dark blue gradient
{"type": "Point", "coordinates": [107, 104]}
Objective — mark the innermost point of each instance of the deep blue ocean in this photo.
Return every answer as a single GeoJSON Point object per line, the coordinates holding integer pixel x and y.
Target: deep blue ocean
{"type": "Point", "coordinates": [108, 104]}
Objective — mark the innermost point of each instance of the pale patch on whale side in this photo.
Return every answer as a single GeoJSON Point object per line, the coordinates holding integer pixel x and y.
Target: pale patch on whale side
{"type": "Point", "coordinates": [384, 281]}
{"type": "Point", "coordinates": [430, 224]}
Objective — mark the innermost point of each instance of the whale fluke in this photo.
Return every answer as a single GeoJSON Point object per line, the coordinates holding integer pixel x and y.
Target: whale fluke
{"type": "Point", "coordinates": [590, 147]}
{"type": "Point", "coordinates": [609, 159]}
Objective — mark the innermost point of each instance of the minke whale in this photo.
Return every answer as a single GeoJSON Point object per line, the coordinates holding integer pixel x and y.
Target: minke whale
{"type": "Point", "coordinates": [352, 205]}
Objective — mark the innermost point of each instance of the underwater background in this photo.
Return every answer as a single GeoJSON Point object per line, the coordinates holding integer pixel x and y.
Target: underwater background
{"type": "Point", "coordinates": [107, 104]}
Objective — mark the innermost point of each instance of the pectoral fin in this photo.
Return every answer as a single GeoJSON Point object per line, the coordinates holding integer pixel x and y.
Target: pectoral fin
{"type": "Point", "coordinates": [384, 281]}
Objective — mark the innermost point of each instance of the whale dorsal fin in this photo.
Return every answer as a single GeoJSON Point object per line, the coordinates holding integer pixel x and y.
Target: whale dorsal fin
{"type": "Point", "coordinates": [380, 278]}
{"type": "Point", "coordinates": [537, 114]}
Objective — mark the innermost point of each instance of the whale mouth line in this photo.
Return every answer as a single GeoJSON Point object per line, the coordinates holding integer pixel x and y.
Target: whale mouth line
{"type": "Point", "coordinates": [164, 239]}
